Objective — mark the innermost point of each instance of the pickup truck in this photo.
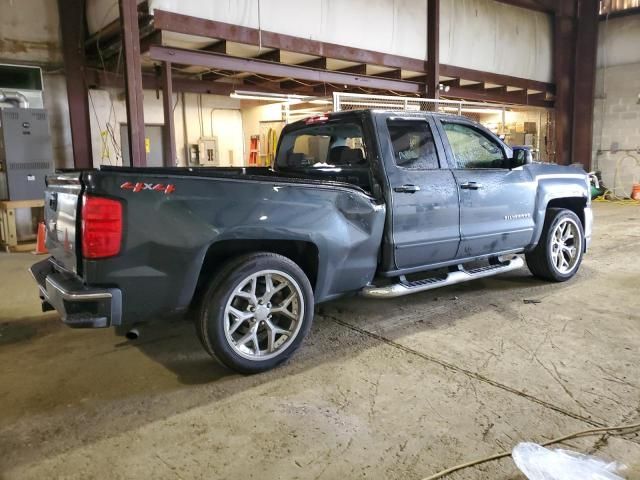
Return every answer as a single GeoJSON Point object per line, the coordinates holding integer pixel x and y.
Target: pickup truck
{"type": "Point", "coordinates": [380, 203]}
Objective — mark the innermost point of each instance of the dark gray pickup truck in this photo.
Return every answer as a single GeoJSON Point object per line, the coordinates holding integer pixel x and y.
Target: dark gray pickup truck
{"type": "Point", "coordinates": [371, 202]}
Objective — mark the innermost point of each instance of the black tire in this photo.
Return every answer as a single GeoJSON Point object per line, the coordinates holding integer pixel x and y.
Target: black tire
{"type": "Point", "coordinates": [541, 260]}
{"type": "Point", "coordinates": [210, 323]}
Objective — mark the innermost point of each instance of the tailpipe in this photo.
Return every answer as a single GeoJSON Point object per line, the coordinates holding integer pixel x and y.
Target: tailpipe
{"type": "Point", "coordinates": [133, 334]}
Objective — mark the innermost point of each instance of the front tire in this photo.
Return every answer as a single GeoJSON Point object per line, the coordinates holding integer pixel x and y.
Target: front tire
{"type": "Point", "coordinates": [256, 312]}
{"type": "Point", "coordinates": [558, 255]}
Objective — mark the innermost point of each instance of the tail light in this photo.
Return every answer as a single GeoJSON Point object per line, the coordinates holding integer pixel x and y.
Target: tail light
{"type": "Point", "coordinates": [101, 227]}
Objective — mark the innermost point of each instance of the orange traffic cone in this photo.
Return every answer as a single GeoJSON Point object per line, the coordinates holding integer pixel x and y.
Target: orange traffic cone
{"type": "Point", "coordinates": [41, 249]}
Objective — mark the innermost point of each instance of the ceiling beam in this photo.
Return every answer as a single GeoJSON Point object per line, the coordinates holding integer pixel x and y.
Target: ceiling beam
{"type": "Point", "coordinates": [518, 97]}
{"type": "Point", "coordinates": [396, 73]}
{"type": "Point", "coordinates": [175, 22]}
{"type": "Point", "coordinates": [320, 63]}
{"type": "Point", "coordinates": [224, 62]}
{"type": "Point", "coordinates": [546, 6]}
{"type": "Point", "coordinates": [497, 78]}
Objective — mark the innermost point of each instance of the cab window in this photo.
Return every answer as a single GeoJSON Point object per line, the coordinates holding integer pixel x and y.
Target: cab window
{"type": "Point", "coordinates": [328, 145]}
{"type": "Point", "coordinates": [413, 144]}
{"type": "Point", "coordinates": [472, 148]}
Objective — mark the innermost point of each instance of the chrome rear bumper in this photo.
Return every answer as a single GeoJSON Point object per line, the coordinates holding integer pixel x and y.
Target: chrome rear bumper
{"type": "Point", "coordinates": [78, 305]}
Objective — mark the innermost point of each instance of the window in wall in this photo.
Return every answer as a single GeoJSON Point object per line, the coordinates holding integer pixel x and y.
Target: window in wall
{"type": "Point", "coordinates": [472, 148]}
{"type": "Point", "coordinates": [413, 145]}
{"type": "Point", "coordinates": [323, 146]}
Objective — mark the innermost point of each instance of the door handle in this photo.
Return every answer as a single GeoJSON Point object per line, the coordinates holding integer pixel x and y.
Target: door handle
{"type": "Point", "coordinates": [471, 185]}
{"type": "Point", "coordinates": [407, 189]}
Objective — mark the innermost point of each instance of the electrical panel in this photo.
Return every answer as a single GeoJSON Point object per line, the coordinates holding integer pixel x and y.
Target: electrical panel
{"type": "Point", "coordinates": [25, 153]}
{"type": "Point", "coordinates": [208, 151]}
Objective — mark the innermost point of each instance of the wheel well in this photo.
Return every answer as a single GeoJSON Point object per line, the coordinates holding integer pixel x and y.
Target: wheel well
{"type": "Point", "coordinates": [575, 204]}
{"type": "Point", "coordinates": [304, 254]}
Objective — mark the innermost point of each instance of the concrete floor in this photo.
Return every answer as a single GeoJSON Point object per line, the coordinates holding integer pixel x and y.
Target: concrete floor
{"type": "Point", "coordinates": [380, 389]}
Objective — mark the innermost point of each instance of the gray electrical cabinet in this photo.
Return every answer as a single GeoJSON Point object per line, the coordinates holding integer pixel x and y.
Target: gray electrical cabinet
{"type": "Point", "coordinates": [26, 156]}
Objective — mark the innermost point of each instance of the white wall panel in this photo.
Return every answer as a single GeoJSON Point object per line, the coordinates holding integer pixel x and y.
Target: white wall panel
{"type": "Point", "coordinates": [499, 38]}
{"type": "Point", "coordinates": [619, 41]}
{"type": "Point", "coordinates": [477, 34]}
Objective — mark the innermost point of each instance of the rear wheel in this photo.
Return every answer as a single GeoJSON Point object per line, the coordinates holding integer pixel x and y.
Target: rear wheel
{"type": "Point", "coordinates": [256, 312]}
{"type": "Point", "coordinates": [558, 254]}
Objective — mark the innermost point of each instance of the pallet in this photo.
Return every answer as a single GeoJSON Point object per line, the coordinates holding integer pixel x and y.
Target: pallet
{"type": "Point", "coordinates": [8, 231]}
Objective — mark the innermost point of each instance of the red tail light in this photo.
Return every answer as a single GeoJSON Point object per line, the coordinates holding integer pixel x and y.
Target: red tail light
{"type": "Point", "coordinates": [101, 227]}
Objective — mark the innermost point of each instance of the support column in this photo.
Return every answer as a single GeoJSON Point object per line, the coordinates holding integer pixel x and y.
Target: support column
{"type": "Point", "coordinates": [563, 68]}
{"type": "Point", "coordinates": [72, 26]}
{"type": "Point", "coordinates": [433, 48]}
{"type": "Point", "coordinates": [585, 81]}
{"type": "Point", "coordinates": [133, 81]}
{"type": "Point", "coordinates": [168, 134]}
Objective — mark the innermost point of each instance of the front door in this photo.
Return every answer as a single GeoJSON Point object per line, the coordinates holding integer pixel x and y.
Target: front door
{"type": "Point", "coordinates": [424, 197]}
{"type": "Point", "coordinates": [496, 202]}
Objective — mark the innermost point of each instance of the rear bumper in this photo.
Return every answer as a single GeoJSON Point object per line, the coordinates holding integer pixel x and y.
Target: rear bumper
{"type": "Point", "coordinates": [78, 305]}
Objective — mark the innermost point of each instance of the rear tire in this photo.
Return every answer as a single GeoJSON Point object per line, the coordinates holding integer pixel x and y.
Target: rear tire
{"type": "Point", "coordinates": [558, 255]}
{"type": "Point", "coordinates": [256, 311]}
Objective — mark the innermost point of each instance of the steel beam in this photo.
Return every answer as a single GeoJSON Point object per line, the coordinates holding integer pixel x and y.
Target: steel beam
{"type": "Point", "coordinates": [585, 81]}
{"type": "Point", "coordinates": [433, 48]}
{"type": "Point", "coordinates": [224, 62]}
{"type": "Point", "coordinates": [497, 95]}
{"type": "Point", "coordinates": [175, 22]}
{"type": "Point", "coordinates": [72, 14]}
{"type": "Point", "coordinates": [497, 78]}
{"type": "Point", "coordinates": [133, 81]}
{"type": "Point", "coordinates": [169, 132]}
{"type": "Point", "coordinates": [563, 68]}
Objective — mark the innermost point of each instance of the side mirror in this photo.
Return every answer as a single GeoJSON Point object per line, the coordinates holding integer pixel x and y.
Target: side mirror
{"type": "Point", "coordinates": [521, 156]}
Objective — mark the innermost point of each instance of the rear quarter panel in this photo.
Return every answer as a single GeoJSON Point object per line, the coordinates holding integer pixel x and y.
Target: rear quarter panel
{"type": "Point", "coordinates": [166, 236]}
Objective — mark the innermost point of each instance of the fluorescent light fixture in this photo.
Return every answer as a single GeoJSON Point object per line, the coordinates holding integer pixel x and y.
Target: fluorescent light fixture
{"type": "Point", "coordinates": [473, 110]}
{"type": "Point", "coordinates": [291, 99]}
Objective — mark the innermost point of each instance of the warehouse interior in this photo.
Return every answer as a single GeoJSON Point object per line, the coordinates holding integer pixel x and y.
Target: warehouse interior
{"type": "Point", "coordinates": [398, 388]}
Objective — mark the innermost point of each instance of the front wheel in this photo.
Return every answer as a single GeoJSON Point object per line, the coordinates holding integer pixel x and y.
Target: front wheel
{"type": "Point", "coordinates": [558, 254]}
{"type": "Point", "coordinates": [256, 312]}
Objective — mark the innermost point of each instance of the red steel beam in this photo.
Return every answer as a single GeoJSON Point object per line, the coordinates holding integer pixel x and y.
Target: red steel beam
{"type": "Point", "coordinates": [497, 78]}
{"type": "Point", "coordinates": [585, 81]}
{"type": "Point", "coordinates": [73, 41]}
{"type": "Point", "coordinates": [133, 82]}
{"type": "Point", "coordinates": [563, 68]}
{"type": "Point", "coordinates": [168, 133]}
{"type": "Point", "coordinates": [433, 48]}
{"type": "Point", "coordinates": [175, 22]}
{"type": "Point", "coordinates": [224, 62]}
{"type": "Point", "coordinates": [494, 95]}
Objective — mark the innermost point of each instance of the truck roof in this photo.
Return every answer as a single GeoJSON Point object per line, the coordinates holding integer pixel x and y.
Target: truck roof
{"type": "Point", "coordinates": [371, 111]}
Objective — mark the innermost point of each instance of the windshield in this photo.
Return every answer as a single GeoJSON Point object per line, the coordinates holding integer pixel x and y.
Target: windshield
{"type": "Point", "coordinates": [329, 145]}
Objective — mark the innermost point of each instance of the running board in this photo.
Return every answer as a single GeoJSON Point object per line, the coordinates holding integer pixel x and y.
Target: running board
{"type": "Point", "coordinates": [458, 276]}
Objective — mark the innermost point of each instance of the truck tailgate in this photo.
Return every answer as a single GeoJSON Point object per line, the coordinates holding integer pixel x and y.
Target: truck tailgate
{"type": "Point", "coordinates": [61, 203]}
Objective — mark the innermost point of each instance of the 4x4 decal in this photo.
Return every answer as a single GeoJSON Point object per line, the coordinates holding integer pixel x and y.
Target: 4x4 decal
{"type": "Point", "coordinates": [156, 187]}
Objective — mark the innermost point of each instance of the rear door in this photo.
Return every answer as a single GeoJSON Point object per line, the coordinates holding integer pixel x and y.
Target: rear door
{"type": "Point", "coordinates": [496, 202]}
{"type": "Point", "coordinates": [424, 196]}
{"type": "Point", "coordinates": [61, 204]}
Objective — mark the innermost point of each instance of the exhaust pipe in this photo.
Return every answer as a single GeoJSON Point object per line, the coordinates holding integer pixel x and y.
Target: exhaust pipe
{"type": "Point", "coordinates": [133, 334]}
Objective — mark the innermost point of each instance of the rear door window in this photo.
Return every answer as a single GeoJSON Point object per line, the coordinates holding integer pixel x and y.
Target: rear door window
{"type": "Point", "coordinates": [413, 144]}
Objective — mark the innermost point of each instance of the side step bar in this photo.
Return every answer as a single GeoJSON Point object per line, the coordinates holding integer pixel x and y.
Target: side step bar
{"type": "Point", "coordinates": [458, 276]}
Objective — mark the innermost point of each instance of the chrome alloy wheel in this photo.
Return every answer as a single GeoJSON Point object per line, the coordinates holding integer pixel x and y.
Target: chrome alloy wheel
{"type": "Point", "coordinates": [566, 242]}
{"type": "Point", "coordinates": [263, 315]}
